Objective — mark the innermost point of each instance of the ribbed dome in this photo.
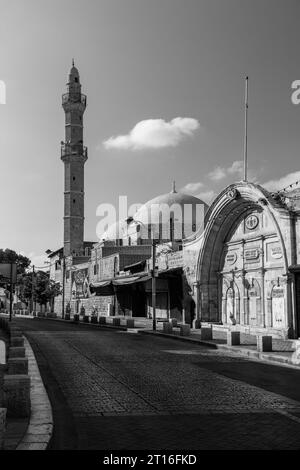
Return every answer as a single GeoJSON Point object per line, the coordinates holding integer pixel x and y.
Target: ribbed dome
{"type": "Point", "coordinates": [170, 199]}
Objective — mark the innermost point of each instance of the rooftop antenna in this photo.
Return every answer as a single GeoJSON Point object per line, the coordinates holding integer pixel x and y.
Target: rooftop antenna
{"type": "Point", "coordinates": [246, 131]}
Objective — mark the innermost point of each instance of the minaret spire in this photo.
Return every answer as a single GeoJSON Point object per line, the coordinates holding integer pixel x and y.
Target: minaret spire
{"type": "Point", "coordinates": [174, 187]}
{"type": "Point", "coordinates": [73, 65]}
{"type": "Point", "coordinates": [74, 156]}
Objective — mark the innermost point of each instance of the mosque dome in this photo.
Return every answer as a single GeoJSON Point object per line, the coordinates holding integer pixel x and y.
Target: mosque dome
{"type": "Point", "coordinates": [186, 210]}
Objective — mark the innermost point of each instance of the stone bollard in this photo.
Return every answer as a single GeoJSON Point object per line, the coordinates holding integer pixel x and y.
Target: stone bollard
{"type": "Point", "coordinates": [102, 320]}
{"type": "Point", "coordinates": [264, 343]}
{"type": "Point", "coordinates": [296, 354]}
{"type": "Point", "coordinates": [185, 330]}
{"type": "Point", "coordinates": [17, 365]}
{"type": "Point", "coordinates": [17, 341]}
{"type": "Point", "coordinates": [167, 327]}
{"type": "Point", "coordinates": [2, 352]}
{"type": "Point", "coordinates": [206, 333]}
{"type": "Point", "coordinates": [16, 352]}
{"type": "Point", "coordinates": [2, 426]}
{"type": "Point", "coordinates": [116, 321]}
{"type": "Point", "coordinates": [233, 338]}
{"type": "Point", "coordinates": [130, 322]}
{"type": "Point", "coordinates": [173, 321]}
{"type": "Point", "coordinates": [17, 395]}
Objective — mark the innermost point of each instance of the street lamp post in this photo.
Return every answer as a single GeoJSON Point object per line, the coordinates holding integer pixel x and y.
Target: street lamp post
{"type": "Point", "coordinates": [153, 285]}
{"type": "Point", "coordinates": [63, 286]}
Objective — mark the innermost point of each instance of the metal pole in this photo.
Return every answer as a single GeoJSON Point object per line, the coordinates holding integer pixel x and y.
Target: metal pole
{"type": "Point", "coordinates": [153, 285]}
{"type": "Point", "coordinates": [32, 290]}
{"type": "Point", "coordinates": [246, 131]}
{"type": "Point", "coordinates": [63, 287]}
{"type": "Point", "coordinates": [11, 291]}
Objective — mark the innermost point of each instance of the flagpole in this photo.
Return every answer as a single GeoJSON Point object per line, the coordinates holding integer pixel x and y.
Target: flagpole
{"type": "Point", "coordinates": [246, 131]}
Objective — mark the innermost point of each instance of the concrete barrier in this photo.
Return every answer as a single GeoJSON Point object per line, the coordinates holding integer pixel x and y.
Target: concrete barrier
{"type": "Point", "coordinates": [167, 327]}
{"type": "Point", "coordinates": [16, 399]}
{"type": "Point", "coordinates": [173, 321]}
{"type": "Point", "coordinates": [130, 322]}
{"type": "Point", "coordinates": [116, 321]}
{"type": "Point", "coordinates": [94, 319]}
{"type": "Point", "coordinates": [16, 352]}
{"type": "Point", "coordinates": [2, 426]}
{"type": "Point", "coordinates": [17, 341]}
{"type": "Point", "coordinates": [17, 365]}
{"type": "Point", "coordinates": [86, 319]}
{"type": "Point", "coordinates": [233, 338]}
{"type": "Point", "coordinates": [2, 352]}
{"type": "Point", "coordinates": [185, 330]}
{"type": "Point", "coordinates": [264, 343]}
{"type": "Point", "coordinates": [206, 333]}
{"type": "Point", "coordinates": [102, 320]}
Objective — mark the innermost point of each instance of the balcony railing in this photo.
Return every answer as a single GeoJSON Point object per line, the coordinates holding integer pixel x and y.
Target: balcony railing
{"type": "Point", "coordinates": [73, 149]}
{"type": "Point", "coordinates": [74, 98]}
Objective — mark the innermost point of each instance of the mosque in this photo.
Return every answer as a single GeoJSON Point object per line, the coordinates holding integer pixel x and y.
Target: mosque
{"type": "Point", "coordinates": [236, 261]}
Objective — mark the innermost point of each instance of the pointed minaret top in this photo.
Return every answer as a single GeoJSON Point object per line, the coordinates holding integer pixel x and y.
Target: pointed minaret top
{"type": "Point", "coordinates": [174, 188]}
{"type": "Point", "coordinates": [73, 63]}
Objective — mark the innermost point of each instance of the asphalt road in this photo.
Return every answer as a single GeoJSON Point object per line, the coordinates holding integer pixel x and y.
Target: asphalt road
{"type": "Point", "coordinates": [117, 390]}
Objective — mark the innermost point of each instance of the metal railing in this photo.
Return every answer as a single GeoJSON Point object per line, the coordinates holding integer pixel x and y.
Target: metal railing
{"type": "Point", "coordinates": [74, 98]}
{"type": "Point", "coordinates": [73, 149]}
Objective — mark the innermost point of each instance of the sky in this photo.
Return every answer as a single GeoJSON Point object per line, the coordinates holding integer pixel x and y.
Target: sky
{"type": "Point", "coordinates": [164, 81]}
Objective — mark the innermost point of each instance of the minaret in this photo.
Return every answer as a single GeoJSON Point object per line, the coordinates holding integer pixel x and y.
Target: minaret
{"type": "Point", "coordinates": [74, 156]}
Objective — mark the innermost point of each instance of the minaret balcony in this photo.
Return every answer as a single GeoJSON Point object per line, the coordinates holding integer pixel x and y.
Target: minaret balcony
{"type": "Point", "coordinates": [74, 98]}
{"type": "Point", "coordinates": [73, 149]}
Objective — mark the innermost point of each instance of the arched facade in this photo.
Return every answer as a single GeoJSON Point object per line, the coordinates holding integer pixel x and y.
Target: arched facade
{"type": "Point", "coordinates": [243, 276]}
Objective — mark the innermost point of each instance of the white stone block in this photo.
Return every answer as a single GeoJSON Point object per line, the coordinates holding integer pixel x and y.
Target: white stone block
{"type": "Point", "coordinates": [2, 352]}
{"type": "Point", "coordinates": [264, 343]}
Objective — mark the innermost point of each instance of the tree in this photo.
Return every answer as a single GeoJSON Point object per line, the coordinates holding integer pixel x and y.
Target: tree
{"type": "Point", "coordinates": [38, 287]}
{"type": "Point", "coordinates": [10, 256]}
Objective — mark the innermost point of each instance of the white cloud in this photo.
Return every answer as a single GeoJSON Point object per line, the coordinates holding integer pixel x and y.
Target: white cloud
{"type": "Point", "coordinates": [276, 185]}
{"type": "Point", "coordinates": [154, 134]}
{"type": "Point", "coordinates": [207, 196]}
{"type": "Point", "coordinates": [217, 174]}
{"type": "Point", "coordinates": [236, 168]}
{"type": "Point", "coordinates": [192, 187]}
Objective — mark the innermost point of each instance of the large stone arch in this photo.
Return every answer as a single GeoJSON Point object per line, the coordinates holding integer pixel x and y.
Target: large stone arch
{"type": "Point", "coordinates": [235, 202]}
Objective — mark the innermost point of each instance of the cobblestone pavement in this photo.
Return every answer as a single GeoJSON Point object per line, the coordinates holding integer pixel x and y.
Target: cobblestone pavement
{"type": "Point", "coordinates": [119, 390]}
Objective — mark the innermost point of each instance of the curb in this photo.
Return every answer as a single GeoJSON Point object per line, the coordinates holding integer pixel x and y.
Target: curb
{"type": "Point", "coordinates": [90, 325]}
{"type": "Point", "coordinates": [277, 360]}
{"type": "Point", "coordinates": [40, 428]}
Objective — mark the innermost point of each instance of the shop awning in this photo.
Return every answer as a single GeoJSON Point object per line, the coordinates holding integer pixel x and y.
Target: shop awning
{"type": "Point", "coordinates": [102, 287]}
{"type": "Point", "coordinates": [127, 280]}
{"type": "Point", "coordinates": [139, 266]}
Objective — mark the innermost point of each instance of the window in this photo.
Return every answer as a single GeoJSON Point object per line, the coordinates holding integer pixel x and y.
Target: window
{"type": "Point", "coordinates": [95, 269]}
{"type": "Point", "coordinates": [74, 201]}
{"type": "Point", "coordinates": [74, 178]}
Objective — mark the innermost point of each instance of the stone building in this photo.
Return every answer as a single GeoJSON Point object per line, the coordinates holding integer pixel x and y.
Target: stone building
{"type": "Point", "coordinates": [243, 269]}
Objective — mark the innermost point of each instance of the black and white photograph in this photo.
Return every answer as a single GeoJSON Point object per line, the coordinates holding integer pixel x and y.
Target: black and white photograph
{"type": "Point", "coordinates": [150, 230]}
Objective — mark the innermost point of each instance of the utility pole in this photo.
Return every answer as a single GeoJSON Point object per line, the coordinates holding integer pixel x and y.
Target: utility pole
{"type": "Point", "coordinates": [153, 285]}
{"type": "Point", "coordinates": [11, 292]}
{"type": "Point", "coordinates": [63, 286]}
{"type": "Point", "coordinates": [246, 132]}
{"type": "Point", "coordinates": [32, 290]}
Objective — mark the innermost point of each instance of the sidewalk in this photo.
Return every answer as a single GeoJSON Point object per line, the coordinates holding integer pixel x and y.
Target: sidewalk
{"type": "Point", "coordinates": [281, 355]}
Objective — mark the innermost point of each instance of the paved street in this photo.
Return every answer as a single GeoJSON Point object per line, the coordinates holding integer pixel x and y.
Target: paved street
{"type": "Point", "coordinates": [118, 390]}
